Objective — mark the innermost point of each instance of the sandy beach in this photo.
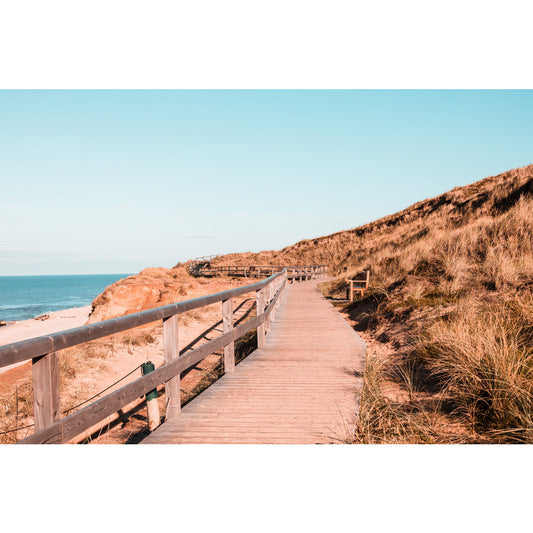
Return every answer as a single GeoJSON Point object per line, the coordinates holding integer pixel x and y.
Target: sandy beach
{"type": "Point", "coordinates": [34, 327]}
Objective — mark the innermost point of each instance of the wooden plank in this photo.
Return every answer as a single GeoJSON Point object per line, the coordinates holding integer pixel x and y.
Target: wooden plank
{"type": "Point", "coordinates": [46, 407]}
{"type": "Point", "coordinates": [171, 353]}
{"type": "Point", "coordinates": [229, 349]}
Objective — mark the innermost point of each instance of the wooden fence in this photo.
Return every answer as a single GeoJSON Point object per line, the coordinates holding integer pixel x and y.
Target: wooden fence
{"type": "Point", "coordinates": [254, 271]}
{"type": "Point", "coordinates": [42, 351]}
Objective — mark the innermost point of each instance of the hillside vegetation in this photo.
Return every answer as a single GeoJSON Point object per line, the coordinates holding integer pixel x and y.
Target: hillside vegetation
{"type": "Point", "coordinates": [449, 317]}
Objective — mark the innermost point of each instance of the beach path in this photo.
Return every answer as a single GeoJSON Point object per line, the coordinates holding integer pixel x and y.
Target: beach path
{"type": "Point", "coordinates": [302, 387]}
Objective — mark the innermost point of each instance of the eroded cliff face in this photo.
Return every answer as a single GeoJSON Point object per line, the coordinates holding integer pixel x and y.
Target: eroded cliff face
{"type": "Point", "coordinates": [153, 287]}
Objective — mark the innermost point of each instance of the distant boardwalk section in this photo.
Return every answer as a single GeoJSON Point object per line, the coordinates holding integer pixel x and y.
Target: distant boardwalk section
{"type": "Point", "coordinates": [302, 387]}
{"type": "Point", "coordinates": [202, 266]}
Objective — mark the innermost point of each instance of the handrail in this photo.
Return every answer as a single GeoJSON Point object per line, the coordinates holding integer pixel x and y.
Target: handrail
{"type": "Point", "coordinates": [31, 348]}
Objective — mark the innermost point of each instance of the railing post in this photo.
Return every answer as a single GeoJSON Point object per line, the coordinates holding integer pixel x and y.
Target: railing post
{"type": "Point", "coordinates": [229, 349]}
{"type": "Point", "coordinates": [260, 310]}
{"type": "Point", "coordinates": [279, 288]}
{"type": "Point", "coordinates": [46, 408]}
{"type": "Point", "coordinates": [171, 352]}
{"type": "Point", "coordinates": [268, 299]}
{"type": "Point", "coordinates": [275, 288]}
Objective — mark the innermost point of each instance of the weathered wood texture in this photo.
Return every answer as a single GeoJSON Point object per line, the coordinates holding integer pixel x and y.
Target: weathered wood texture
{"type": "Point", "coordinates": [260, 307]}
{"type": "Point", "coordinates": [302, 387]}
{"type": "Point", "coordinates": [227, 321]}
{"type": "Point", "coordinates": [171, 353]}
{"type": "Point", "coordinates": [46, 408]}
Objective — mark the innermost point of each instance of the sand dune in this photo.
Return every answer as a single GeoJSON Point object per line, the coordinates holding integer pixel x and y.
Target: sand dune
{"type": "Point", "coordinates": [28, 329]}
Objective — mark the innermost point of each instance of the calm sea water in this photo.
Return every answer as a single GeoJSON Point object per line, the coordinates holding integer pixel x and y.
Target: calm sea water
{"type": "Point", "coordinates": [23, 297]}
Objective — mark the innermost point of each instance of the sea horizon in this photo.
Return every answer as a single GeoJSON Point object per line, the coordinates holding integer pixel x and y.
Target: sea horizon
{"type": "Point", "coordinates": [23, 297]}
{"type": "Point", "coordinates": [62, 275]}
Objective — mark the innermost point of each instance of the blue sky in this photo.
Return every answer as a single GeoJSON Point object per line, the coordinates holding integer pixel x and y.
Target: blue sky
{"type": "Point", "coordinates": [117, 181]}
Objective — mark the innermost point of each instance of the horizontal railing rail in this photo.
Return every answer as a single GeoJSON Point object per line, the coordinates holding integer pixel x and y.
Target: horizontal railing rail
{"type": "Point", "coordinates": [42, 351]}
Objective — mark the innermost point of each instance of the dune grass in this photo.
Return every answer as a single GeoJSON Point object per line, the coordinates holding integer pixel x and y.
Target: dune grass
{"type": "Point", "coordinates": [451, 299]}
{"type": "Point", "coordinates": [482, 358]}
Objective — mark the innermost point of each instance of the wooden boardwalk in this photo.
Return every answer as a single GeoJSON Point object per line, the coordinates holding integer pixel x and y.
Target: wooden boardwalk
{"type": "Point", "coordinates": [302, 388]}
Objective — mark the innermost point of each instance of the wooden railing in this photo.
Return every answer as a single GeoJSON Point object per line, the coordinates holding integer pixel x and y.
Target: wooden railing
{"type": "Point", "coordinates": [198, 263]}
{"type": "Point", "coordinates": [42, 351]}
{"type": "Point", "coordinates": [253, 271]}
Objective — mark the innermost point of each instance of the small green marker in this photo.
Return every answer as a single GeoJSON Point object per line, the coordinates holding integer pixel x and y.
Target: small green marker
{"type": "Point", "coordinates": [146, 369]}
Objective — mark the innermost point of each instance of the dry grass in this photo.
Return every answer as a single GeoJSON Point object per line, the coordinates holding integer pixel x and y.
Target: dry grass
{"type": "Point", "coordinates": [74, 363]}
{"type": "Point", "coordinates": [450, 297]}
{"type": "Point", "coordinates": [139, 339]}
{"type": "Point", "coordinates": [482, 358]}
{"type": "Point", "coordinates": [384, 419]}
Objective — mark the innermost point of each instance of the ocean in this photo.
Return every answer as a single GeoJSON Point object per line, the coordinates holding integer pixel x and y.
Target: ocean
{"type": "Point", "coordinates": [24, 297]}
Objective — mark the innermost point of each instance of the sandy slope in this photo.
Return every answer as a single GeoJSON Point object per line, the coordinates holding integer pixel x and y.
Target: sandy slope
{"type": "Point", "coordinates": [28, 329]}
